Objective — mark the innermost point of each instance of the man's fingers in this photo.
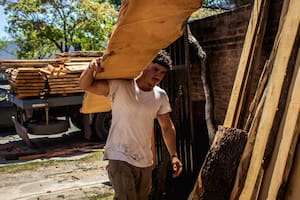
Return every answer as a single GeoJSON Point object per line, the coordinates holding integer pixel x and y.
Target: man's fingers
{"type": "Point", "coordinates": [177, 168]}
{"type": "Point", "coordinates": [96, 65]}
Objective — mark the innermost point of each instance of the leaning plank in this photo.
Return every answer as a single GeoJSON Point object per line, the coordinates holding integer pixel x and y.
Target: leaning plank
{"type": "Point", "coordinates": [288, 141]}
{"type": "Point", "coordinates": [246, 156]}
{"type": "Point", "coordinates": [293, 192]}
{"type": "Point", "coordinates": [252, 44]}
{"type": "Point", "coordinates": [290, 29]}
{"type": "Point", "coordinates": [216, 178]}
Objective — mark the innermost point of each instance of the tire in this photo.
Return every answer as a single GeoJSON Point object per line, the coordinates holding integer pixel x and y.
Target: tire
{"type": "Point", "coordinates": [77, 118]}
{"type": "Point", "coordinates": [53, 127]}
{"type": "Point", "coordinates": [102, 124]}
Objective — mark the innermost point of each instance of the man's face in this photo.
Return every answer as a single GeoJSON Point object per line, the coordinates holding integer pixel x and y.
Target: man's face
{"type": "Point", "coordinates": [154, 73]}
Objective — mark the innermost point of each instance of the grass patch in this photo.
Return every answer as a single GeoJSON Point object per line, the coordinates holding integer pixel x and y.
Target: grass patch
{"type": "Point", "coordinates": [20, 167]}
{"type": "Point", "coordinates": [105, 196]}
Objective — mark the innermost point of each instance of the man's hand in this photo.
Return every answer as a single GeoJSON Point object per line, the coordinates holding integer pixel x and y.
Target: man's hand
{"type": "Point", "coordinates": [177, 166]}
{"type": "Point", "coordinates": [95, 65]}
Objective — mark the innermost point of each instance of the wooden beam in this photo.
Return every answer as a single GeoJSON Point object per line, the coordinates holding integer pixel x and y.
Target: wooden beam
{"type": "Point", "coordinates": [286, 44]}
{"type": "Point", "coordinates": [246, 156]}
{"type": "Point", "coordinates": [251, 49]}
{"type": "Point", "coordinates": [289, 139]}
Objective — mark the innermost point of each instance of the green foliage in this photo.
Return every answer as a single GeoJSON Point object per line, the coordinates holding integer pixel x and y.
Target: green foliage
{"type": "Point", "coordinates": [4, 41]}
{"type": "Point", "coordinates": [205, 12]}
{"type": "Point", "coordinates": [117, 3]}
{"type": "Point", "coordinates": [2, 44]}
{"type": "Point", "coordinates": [42, 28]}
{"type": "Point", "coordinates": [225, 4]}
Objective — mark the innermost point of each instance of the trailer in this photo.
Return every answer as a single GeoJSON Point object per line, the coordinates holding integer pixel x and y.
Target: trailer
{"type": "Point", "coordinates": [46, 102]}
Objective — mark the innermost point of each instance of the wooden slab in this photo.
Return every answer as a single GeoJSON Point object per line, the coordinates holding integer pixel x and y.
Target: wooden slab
{"type": "Point", "coordinates": [144, 28]}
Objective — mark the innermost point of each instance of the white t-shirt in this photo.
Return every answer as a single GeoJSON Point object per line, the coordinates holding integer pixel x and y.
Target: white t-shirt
{"type": "Point", "coordinates": [133, 114]}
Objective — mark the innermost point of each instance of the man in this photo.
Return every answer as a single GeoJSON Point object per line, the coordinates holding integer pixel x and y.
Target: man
{"type": "Point", "coordinates": [135, 105]}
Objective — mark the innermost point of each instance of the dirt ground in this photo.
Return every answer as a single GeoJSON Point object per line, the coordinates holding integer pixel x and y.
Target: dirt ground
{"type": "Point", "coordinates": [71, 177]}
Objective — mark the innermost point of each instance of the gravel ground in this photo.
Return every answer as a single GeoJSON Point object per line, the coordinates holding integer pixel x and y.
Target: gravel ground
{"type": "Point", "coordinates": [74, 178]}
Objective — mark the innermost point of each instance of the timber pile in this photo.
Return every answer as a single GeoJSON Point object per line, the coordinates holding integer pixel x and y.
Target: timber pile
{"type": "Point", "coordinates": [63, 80]}
{"type": "Point", "coordinates": [269, 166]}
{"type": "Point", "coordinates": [26, 82]}
{"type": "Point", "coordinates": [59, 76]}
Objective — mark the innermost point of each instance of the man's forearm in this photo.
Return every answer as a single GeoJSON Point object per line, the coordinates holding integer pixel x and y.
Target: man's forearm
{"type": "Point", "coordinates": [86, 78]}
{"type": "Point", "coordinates": [170, 141]}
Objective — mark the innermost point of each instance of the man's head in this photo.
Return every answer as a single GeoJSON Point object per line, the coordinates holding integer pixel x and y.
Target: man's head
{"type": "Point", "coordinates": [163, 59]}
{"type": "Point", "coordinates": [155, 71]}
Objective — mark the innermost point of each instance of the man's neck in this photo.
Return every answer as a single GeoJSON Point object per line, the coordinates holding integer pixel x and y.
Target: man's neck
{"type": "Point", "coordinates": [143, 85]}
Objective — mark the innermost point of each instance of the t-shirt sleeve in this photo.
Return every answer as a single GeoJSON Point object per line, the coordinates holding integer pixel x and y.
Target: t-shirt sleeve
{"type": "Point", "coordinates": [113, 87]}
{"type": "Point", "coordinates": [165, 104]}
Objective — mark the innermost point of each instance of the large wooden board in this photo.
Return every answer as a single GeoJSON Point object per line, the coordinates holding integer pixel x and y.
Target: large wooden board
{"type": "Point", "coordinates": [143, 28]}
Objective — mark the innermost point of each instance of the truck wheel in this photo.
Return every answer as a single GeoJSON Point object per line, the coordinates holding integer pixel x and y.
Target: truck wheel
{"type": "Point", "coordinates": [102, 124]}
{"type": "Point", "coordinates": [53, 127]}
{"type": "Point", "coordinates": [77, 119]}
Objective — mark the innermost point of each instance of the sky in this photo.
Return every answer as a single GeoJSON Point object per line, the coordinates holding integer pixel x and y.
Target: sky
{"type": "Point", "coordinates": [3, 23]}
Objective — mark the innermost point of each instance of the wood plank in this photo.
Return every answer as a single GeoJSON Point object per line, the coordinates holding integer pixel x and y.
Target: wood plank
{"type": "Point", "coordinates": [27, 91]}
{"type": "Point", "coordinates": [67, 86]}
{"type": "Point", "coordinates": [84, 54]}
{"type": "Point", "coordinates": [293, 192]}
{"type": "Point", "coordinates": [17, 78]}
{"type": "Point", "coordinates": [290, 29]}
{"type": "Point", "coordinates": [252, 44]}
{"type": "Point", "coordinates": [27, 87]}
{"type": "Point", "coordinates": [27, 82]}
{"type": "Point", "coordinates": [53, 80]}
{"type": "Point", "coordinates": [63, 75]}
{"type": "Point", "coordinates": [54, 60]}
{"type": "Point", "coordinates": [66, 91]}
{"type": "Point", "coordinates": [77, 68]}
{"type": "Point", "coordinates": [246, 156]}
{"type": "Point", "coordinates": [289, 139]}
{"type": "Point", "coordinates": [141, 32]}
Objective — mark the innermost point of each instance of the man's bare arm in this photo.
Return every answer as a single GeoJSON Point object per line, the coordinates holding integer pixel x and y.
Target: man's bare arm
{"type": "Point", "coordinates": [169, 136]}
{"type": "Point", "coordinates": [87, 80]}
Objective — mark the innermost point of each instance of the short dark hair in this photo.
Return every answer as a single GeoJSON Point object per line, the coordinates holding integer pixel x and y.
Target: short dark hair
{"type": "Point", "coordinates": [164, 59]}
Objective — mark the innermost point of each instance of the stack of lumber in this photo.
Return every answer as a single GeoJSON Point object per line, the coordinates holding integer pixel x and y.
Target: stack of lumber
{"type": "Point", "coordinates": [59, 76]}
{"type": "Point", "coordinates": [269, 166]}
{"type": "Point", "coordinates": [64, 80]}
{"type": "Point", "coordinates": [26, 82]}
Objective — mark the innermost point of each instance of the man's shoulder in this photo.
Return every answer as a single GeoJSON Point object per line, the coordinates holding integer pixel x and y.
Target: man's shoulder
{"type": "Point", "coordinates": [159, 89]}
{"type": "Point", "coordinates": [120, 81]}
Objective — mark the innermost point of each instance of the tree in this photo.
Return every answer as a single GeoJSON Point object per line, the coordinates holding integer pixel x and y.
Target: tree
{"type": "Point", "coordinates": [2, 44]}
{"type": "Point", "coordinates": [42, 28]}
{"type": "Point", "coordinates": [226, 4]}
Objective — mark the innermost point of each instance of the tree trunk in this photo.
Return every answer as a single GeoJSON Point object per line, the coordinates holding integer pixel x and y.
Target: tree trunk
{"type": "Point", "coordinates": [205, 77]}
